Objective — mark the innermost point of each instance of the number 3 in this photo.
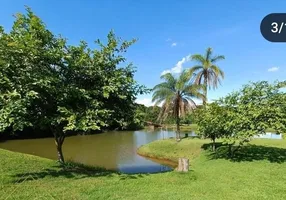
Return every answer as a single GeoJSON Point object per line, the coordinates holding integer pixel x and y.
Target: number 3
{"type": "Point", "coordinates": [274, 27]}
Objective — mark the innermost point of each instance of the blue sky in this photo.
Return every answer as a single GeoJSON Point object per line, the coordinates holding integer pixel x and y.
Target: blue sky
{"type": "Point", "coordinates": [168, 31]}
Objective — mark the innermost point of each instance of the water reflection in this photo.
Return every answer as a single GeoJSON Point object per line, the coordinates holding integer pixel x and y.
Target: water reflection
{"type": "Point", "coordinates": [112, 150]}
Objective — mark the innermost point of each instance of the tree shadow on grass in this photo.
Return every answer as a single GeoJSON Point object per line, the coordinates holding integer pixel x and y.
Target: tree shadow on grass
{"type": "Point", "coordinates": [208, 146]}
{"type": "Point", "coordinates": [249, 153]}
{"type": "Point", "coordinates": [73, 170]}
{"type": "Point", "coordinates": [132, 176]}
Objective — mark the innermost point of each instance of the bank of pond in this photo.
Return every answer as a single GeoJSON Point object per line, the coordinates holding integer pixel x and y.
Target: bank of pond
{"type": "Point", "coordinates": [115, 150]}
{"type": "Point", "coordinates": [258, 171]}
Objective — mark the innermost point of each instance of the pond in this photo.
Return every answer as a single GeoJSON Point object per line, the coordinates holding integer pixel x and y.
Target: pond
{"type": "Point", "coordinates": [269, 135]}
{"type": "Point", "coordinates": [112, 150]}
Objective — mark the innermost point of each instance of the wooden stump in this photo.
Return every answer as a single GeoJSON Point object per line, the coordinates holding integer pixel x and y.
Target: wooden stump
{"type": "Point", "coordinates": [183, 165]}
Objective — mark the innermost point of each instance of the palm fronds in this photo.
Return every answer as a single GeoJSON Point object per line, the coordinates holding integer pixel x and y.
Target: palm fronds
{"type": "Point", "coordinates": [207, 72]}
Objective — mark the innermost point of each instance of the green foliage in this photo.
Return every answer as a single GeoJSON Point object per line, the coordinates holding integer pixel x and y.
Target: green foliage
{"type": "Point", "coordinates": [246, 113]}
{"type": "Point", "coordinates": [188, 119]}
{"type": "Point", "coordinates": [144, 115]}
{"type": "Point", "coordinates": [211, 122]}
{"type": "Point", "coordinates": [152, 113]}
{"type": "Point", "coordinates": [253, 109]}
{"type": "Point", "coordinates": [191, 117]}
{"type": "Point", "coordinates": [50, 85]}
{"type": "Point", "coordinates": [138, 121]}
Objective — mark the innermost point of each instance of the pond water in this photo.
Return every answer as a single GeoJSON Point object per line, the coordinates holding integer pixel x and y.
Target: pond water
{"type": "Point", "coordinates": [112, 150]}
{"type": "Point", "coordinates": [269, 135]}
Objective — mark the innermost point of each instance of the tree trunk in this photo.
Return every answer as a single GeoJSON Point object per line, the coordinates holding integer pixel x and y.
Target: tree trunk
{"type": "Point", "coordinates": [183, 165]}
{"type": "Point", "coordinates": [213, 146]}
{"type": "Point", "coordinates": [178, 137]}
{"type": "Point", "coordinates": [60, 154]}
{"type": "Point", "coordinates": [206, 91]}
{"type": "Point", "coordinates": [235, 150]}
{"type": "Point", "coordinates": [59, 140]}
{"type": "Point", "coordinates": [229, 150]}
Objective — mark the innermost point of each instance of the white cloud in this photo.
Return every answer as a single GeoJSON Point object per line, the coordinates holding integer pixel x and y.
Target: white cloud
{"type": "Point", "coordinates": [168, 40]}
{"type": "Point", "coordinates": [178, 67]}
{"type": "Point", "coordinates": [165, 72]}
{"type": "Point", "coordinates": [174, 44]}
{"type": "Point", "coordinates": [273, 69]}
{"type": "Point", "coordinates": [145, 101]}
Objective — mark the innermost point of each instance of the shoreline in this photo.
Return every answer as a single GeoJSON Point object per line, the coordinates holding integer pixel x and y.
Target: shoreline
{"type": "Point", "coordinates": [164, 161]}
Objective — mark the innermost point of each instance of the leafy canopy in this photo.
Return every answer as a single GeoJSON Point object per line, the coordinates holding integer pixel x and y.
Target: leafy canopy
{"type": "Point", "coordinates": [253, 109]}
{"type": "Point", "coordinates": [243, 114]}
{"type": "Point", "coordinates": [211, 121]}
{"type": "Point", "coordinates": [47, 84]}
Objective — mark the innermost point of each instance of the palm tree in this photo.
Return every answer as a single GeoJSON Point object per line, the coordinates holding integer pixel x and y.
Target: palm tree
{"type": "Point", "coordinates": [177, 95]}
{"type": "Point", "coordinates": [207, 72]}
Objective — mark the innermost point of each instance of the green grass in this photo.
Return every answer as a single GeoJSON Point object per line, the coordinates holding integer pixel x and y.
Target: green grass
{"type": "Point", "coordinates": [260, 175]}
{"type": "Point", "coordinates": [193, 148]}
{"type": "Point", "coordinates": [184, 127]}
{"type": "Point", "coordinates": [171, 150]}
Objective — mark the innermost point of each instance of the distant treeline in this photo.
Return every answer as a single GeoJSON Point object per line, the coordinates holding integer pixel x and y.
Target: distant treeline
{"type": "Point", "coordinates": [151, 114]}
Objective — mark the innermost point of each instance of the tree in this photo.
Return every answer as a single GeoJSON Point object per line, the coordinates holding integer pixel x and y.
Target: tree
{"type": "Point", "coordinates": [152, 113]}
{"type": "Point", "coordinates": [138, 121]}
{"type": "Point", "coordinates": [207, 72]}
{"type": "Point", "coordinates": [47, 84]}
{"type": "Point", "coordinates": [31, 61]}
{"type": "Point", "coordinates": [241, 115]}
{"type": "Point", "coordinates": [211, 122]}
{"type": "Point", "coordinates": [253, 109]}
{"type": "Point", "coordinates": [177, 95]}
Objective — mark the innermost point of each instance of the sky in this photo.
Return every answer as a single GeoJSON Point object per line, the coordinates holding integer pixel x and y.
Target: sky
{"type": "Point", "coordinates": [168, 32]}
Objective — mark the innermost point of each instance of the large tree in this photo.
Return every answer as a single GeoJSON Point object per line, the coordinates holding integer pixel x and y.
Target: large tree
{"type": "Point", "coordinates": [176, 94]}
{"type": "Point", "coordinates": [253, 109]}
{"type": "Point", "coordinates": [47, 84]}
{"type": "Point", "coordinates": [207, 72]}
{"type": "Point", "coordinates": [241, 115]}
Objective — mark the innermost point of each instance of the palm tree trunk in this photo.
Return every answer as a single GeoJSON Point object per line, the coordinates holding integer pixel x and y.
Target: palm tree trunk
{"type": "Point", "coordinates": [206, 90]}
{"type": "Point", "coordinates": [178, 137]}
{"type": "Point", "coordinates": [178, 117]}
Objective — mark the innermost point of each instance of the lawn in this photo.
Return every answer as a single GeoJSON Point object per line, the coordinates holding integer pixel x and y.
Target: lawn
{"type": "Point", "coordinates": [259, 172]}
{"type": "Point", "coordinates": [184, 127]}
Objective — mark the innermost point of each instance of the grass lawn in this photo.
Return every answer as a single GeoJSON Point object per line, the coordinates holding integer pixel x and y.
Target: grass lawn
{"type": "Point", "coordinates": [261, 174]}
{"type": "Point", "coordinates": [185, 127]}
